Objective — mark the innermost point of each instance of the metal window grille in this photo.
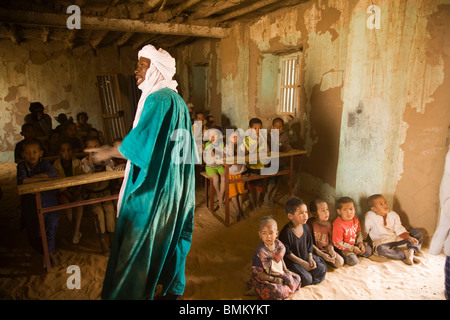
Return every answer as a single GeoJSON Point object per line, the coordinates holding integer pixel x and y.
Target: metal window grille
{"type": "Point", "coordinates": [289, 82]}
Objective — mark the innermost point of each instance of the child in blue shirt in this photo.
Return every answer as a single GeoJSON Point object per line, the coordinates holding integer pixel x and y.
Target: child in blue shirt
{"type": "Point", "coordinates": [35, 169]}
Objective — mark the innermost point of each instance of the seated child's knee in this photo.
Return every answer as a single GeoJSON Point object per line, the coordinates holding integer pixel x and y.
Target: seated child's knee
{"type": "Point", "coordinates": [352, 260]}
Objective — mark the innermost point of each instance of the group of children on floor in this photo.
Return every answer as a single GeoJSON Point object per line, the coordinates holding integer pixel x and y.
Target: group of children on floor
{"type": "Point", "coordinates": [299, 254]}
{"type": "Point", "coordinates": [208, 139]}
{"type": "Point", "coordinates": [35, 169]}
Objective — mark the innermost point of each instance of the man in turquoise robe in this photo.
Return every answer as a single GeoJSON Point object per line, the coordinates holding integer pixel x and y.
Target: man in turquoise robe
{"type": "Point", "coordinates": [157, 200]}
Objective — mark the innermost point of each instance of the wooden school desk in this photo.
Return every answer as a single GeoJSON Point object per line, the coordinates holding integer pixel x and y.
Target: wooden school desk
{"type": "Point", "coordinates": [245, 177]}
{"type": "Point", "coordinates": [38, 187]}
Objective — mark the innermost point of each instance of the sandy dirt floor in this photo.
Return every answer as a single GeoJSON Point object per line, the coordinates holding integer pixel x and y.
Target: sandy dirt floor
{"type": "Point", "coordinates": [218, 265]}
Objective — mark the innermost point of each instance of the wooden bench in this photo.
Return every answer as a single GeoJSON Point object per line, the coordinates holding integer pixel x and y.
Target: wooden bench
{"type": "Point", "coordinates": [246, 177]}
{"type": "Point", "coordinates": [38, 187]}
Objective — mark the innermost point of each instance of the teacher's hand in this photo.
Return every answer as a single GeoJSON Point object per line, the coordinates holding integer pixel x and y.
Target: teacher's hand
{"type": "Point", "coordinates": [103, 153]}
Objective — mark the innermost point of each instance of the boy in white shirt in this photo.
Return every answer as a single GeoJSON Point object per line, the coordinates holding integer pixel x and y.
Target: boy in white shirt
{"type": "Point", "coordinates": [390, 239]}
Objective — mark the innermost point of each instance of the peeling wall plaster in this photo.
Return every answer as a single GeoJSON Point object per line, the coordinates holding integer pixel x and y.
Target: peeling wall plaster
{"type": "Point", "coordinates": [62, 80]}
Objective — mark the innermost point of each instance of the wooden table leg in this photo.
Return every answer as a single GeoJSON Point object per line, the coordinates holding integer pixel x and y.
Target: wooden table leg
{"type": "Point", "coordinates": [227, 195]}
{"type": "Point", "coordinates": [211, 195]}
{"type": "Point", "coordinates": [43, 232]}
{"type": "Point", "coordinates": [291, 171]}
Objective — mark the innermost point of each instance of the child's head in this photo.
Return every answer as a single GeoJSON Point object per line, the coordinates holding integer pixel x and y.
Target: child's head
{"type": "Point", "coordinates": [377, 203]}
{"type": "Point", "coordinates": [53, 138]}
{"type": "Point", "coordinates": [278, 123]}
{"type": "Point", "coordinates": [214, 135]}
{"type": "Point", "coordinates": [255, 124]}
{"type": "Point", "coordinates": [71, 129]}
{"type": "Point", "coordinates": [117, 142]}
{"type": "Point", "coordinates": [82, 117]}
{"type": "Point", "coordinates": [32, 152]}
{"type": "Point", "coordinates": [268, 230]}
{"type": "Point", "coordinates": [93, 142]}
{"type": "Point", "coordinates": [92, 132]}
{"type": "Point", "coordinates": [211, 121]}
{"type": "Point", "coordinates": [345, 208]}
{"type": "Point", "coordinates": [296, 210]}
{"type": "Point", "coordinates": [65, 150]}
{"type": "Point", "coordinates": [319, 208]}
{"type": "Point", "coordinates": [61, 118]}
{"type": "Point", "coordinates": [28, 131]}
{"type": "Point", "coordinates": [199, 116]}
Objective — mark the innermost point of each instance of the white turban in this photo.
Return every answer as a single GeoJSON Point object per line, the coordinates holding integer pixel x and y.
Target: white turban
{"type": "Point", "coordinates": [159, 74]}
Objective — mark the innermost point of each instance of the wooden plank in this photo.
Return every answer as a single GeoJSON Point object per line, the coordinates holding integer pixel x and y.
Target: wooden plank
{"type": "Point", "coordinates": [69, 181]}
{"type": "Point", "coordinates": [111, 24]}
{"type": "Point", "coordinates": [269, 156]}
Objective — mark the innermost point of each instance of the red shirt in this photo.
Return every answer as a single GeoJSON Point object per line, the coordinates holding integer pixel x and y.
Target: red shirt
{"type": "Point", "coordinates": [345, 233]}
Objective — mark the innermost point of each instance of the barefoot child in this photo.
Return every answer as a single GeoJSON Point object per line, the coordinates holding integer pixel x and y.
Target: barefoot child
{"type": "Point", "coordinates": [68, 166]}
{"type": "Point", "coordinates": [270, 277]}
{"type": "Point", "coordinates": [35, 169]}
{"type": "Point", "coordinates": [347, 235]}
{"type": "Point", "coordinates": [322, 230]}
{"type": "Point", "coordinates": [390, 239]}
{"type": "Point", "coordinates": [297, 239]}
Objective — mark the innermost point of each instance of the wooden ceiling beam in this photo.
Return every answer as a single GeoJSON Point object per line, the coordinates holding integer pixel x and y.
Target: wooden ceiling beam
{"type": "Point", "coordinates": [220, 6]}
{"type": "Point", "coordinates": [110, 24]}
{"type": "Point", "coordinates": [123, 39]}
{"type": "Point", "coordinates": [96, 42]}
{"type": "Point", "coordinates": [240, 12]}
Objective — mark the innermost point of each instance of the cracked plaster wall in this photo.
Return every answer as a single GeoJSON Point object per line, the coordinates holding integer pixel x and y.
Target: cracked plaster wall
{"type": "Point", "coordinates": [374, 110]}
{"type": "Point", "coordinates": [63, 81]}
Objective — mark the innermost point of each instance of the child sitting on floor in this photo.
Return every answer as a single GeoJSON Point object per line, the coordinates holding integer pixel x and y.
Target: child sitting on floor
{"type": "Point", "coordinates": [213, 158]}
{"type": "Point", "coordinates": [236, 189]}
{"type": "Point", "coordinates": [104, 212]}
{"type": "Point", "coordinates": [322, 230]}
{"type": "Point", "coordinates": [270, 278]}
{"type": "Point", "coordinates": [68, 166]}
{"type": "Point", "coordinates": [347, 236]}
{"type": "Point", "coordinates": [35, 169]}
{"type": "Point", "coordinates": [389, 238]}
{"type": "Point", "coordinates": [297, 239]}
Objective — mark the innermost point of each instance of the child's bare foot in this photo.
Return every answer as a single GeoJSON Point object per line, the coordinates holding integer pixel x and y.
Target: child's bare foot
{"type": "Point", "coordinates": [409, 260]}
{"type": "Point", "coordinates": [76, 238]}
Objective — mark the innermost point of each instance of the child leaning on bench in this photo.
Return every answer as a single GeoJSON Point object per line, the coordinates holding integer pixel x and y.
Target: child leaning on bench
{"type": "Point", "coordinates": [35, 169]}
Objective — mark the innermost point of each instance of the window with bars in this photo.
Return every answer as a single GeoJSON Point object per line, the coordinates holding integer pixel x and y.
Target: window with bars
{"type": "Point", "coordinates": [289, 84]}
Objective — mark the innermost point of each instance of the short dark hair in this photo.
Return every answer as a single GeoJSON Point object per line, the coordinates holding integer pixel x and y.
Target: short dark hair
{"type": "Point", "coordinates": [25, 125]}
{"type": "Point", "coordinates": [92, 138]}
{"type": "Point", "coordinates": [36, 106]}
{"type": "Point", "coordinates": [32, 142]}
{"type": "Point", "coordinates": [79, 114]}
{"type": "Point", "coordinates": [314, 203]}
{"type": "Point", "coordinates": [277, 119]}
{"type": "Point", "coordinates": [292, 204]}
{"type": "Point", "coordinates": [65, 141]}
{"type": "Point", "coordinates": [342, 201]}
{"type": "Point", "coordinates": [372, 198]}
{"type": "Point", "coordinates": [254, 121]}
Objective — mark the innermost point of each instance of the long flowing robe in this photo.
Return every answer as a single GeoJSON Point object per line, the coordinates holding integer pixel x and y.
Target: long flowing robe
{"type": "Point", "coordinates": [154, 229]}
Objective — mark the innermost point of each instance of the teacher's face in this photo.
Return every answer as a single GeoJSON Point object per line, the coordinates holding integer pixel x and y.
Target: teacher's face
{"type": "Point", "coordinates": [141, 69]}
